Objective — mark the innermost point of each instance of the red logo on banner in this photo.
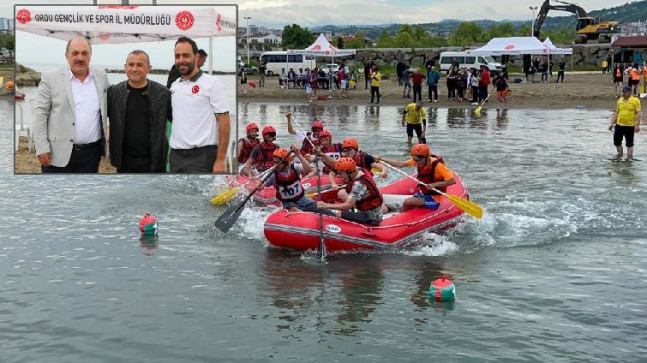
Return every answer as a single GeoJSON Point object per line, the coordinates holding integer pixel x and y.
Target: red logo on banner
{"type": "Point", "coordinates": [218, 22]}
{"type": "Point", "coordinates": [509, 47]}
{"type": "Point", "coordinates": [184, 20]}
{"type": "Point", "coordinates": [23, 16]}
{"type": "Point", "coordinates": [195, 89]}
{"type": "Point", "coordinates": [104, 36]}
{"type": "Point", "coordinates": [316, 47]}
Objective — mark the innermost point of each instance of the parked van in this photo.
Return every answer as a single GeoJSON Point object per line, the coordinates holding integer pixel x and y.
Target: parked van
{"type": "Point", "coordinates": [467, 60]}
{"type": "Point", "coordinates": [277, 60]}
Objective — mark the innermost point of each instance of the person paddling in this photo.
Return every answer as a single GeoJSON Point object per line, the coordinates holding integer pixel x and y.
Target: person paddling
{"type": "Point", "coordinates": [432, 171]}
{"type": "Point", "coordinates": [307, 147]}
{"type": "Point", "coordinates": [261, 156]}
{"type": "Point", "coordinates": [286, 178]}
{"type": "Point", "coordinates": [363, 195]}
{"type": "Point", "coordinates": [248, 143]}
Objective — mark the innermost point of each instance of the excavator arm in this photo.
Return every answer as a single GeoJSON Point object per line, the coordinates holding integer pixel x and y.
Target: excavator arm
{"type": "Point", "coordinates": [546, 7]}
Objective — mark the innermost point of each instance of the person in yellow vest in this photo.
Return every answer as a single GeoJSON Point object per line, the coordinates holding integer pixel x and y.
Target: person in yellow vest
{"type": "Point", "coordinates": [626, 122]}
{"type": "Point", "coordinates": [376, 76]}
{"type": "Point", "coordinates": [416, 120]}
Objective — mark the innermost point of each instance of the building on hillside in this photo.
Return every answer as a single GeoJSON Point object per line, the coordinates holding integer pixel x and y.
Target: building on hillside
{"type": "Point", "coordinates": [6, 25]}
{"type": "Point", "coordinates": [633, 29]}
{"type": "Point", "coordinates": [263, 41]}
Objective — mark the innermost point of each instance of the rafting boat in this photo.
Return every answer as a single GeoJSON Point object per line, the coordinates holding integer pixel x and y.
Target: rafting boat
{"type": "Point", "coordinates": [267, 196]}
{"type": "Point", "coordinates": [300, 230]}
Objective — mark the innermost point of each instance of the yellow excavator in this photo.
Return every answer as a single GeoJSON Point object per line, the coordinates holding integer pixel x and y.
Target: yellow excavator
{"type": "Point", "coordinates": [587, 29]}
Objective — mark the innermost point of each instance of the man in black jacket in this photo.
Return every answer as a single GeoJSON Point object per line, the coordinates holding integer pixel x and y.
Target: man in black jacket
{"type": "Point", "coordinates": [138, 109]}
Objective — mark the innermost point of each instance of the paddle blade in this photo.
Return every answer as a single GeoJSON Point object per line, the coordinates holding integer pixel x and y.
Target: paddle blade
{"type": "Point", "coordinates": [467, 206]}
{"type": "Point", "coordinates": [224, 197]}
{"type": "Point", "coordinates": [229, 217]}
{"type": "Point", "coordinates": [477, 111]}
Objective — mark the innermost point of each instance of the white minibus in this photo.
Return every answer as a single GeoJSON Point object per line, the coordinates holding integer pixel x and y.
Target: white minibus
{"type": "Point", "coordinates": [275, 61]}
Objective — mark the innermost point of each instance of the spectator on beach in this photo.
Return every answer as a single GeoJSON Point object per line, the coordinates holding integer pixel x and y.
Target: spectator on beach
{"type": "Point", "coordinates": [368, 65]}
{"type": "Point", "coordinates": [432, 82]}
{"type": "Point", "coordinates": [485, 81]}
{"type": "Point", "coordinates": [70, 118]}
{"type": "Point", "coordinates": [342, 78]}
{"type": "Point", "coordinates": [262, 68]}
{"type": "Point", "coordinates": [376, 77]}
{"type": "Point", "coordinates": [400, 67]}
{"type": "Point", "coordinates": [633, 77]}
{"type": "Point", "coordinates": [502, 89]}
{"type": "Point", "coordinates": [354, 77]}
{"type": "Point", "coordinates": [626, 122]}
{"type": "Point", "coordinates": [243, 81]}
{"type": "Point", "coordinates": [543, 69]}
{"type": "Point", "coordinates": [618, 76]}
{"type": "Point", "coordinates": [608, 63]}
{"type": "Point", "coordinates": [451, 83]}
{"type": "Point", "coordinates": [405, 82]}
{"type": "Point", "coordinates": [416, 78]}
{"type": "Point", "coordinates": [561, 67]}
{"type": "Point", "coordinates": [474, 84]}
{"type": "Point", "coordinates": [645, 76]}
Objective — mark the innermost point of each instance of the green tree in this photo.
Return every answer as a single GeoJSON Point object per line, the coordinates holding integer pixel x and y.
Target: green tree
{"type": "Point", "coordinates": [500, 30]}
{"type": "Point", "coordinates": [358, 41]}
{"type": "Point", "coordinates": [524, 30]}
{"type": "Point", "coordinates": [6, 41]}
{"type": "Point", "coordinates": [384, 40]}
{"type": "Point", "coordinates": [296, 37]}
{"type": "Point", "coordinates": [467, 33]}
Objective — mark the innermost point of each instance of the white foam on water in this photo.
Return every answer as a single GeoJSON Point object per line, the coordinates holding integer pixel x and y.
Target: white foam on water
{"type": "Point", "coordinates": [433, 244]}
{"type": "Point", "coordinates": [248, 223]}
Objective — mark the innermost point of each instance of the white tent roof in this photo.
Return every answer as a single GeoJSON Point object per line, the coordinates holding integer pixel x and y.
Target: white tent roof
{"type": "Point", "coordinates": [511, 46]}
{"type": "Point", "coordinates": [126, 23]}
{"type": "Point", "coordinates": [322, 47]}
{"type": "Point", "coordinates": [555, 50]}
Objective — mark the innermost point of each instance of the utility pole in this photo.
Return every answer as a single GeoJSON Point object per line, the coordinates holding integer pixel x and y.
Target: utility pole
{"type": "Point", "coordinates": [248, 18]}
{"type": "Point", "coordinates": [532, 28]}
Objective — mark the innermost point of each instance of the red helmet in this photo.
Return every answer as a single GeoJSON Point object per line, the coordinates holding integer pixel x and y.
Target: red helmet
{"type": "Point", "coordinates": [350, 142]}
{"type": "Point", "coordinates": [317, 124]}
{"type": "Point", "coordinates": [282, 153]}
{"type": "Point", "coordinates": [268, 129]}
{"type": "Point", "coordinates": [345, 164]}
{"type": "Point", "coordinates": [325, 133]}
{"type": "Point", "coordinates": [420, 150]}
{"type": "Point", "coordinates": [251, 127]}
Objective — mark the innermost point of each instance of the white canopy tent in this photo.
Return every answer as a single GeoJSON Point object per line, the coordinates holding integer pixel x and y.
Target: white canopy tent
{"type": "Point", "coordinates": [511, 46]}
{"type": "Point", "coordinates": [110, 24]}
{"type": "Point", "coordinates": [322, 48]}
{"type": "Point", "coordinates": [555, 50]}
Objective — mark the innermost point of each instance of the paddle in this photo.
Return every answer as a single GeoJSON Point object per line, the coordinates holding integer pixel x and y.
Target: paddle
{"type": "Point", "coordinates": [467, 206]}
{"type": "Point", "coordinates": [321, 249]}
{"type": "Point", "coordinates": [229, 194]}
{"type": "Point", "coordinates": [477, 111]}
{"type": "Point", "coordinates": [230, 216]}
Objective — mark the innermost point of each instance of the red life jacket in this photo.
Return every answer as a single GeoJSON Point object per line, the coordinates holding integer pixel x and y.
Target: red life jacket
{"type": "Point", "coordinates": [265, 158]}
{"type": "Point", "coordinates": [359, 160]}
{"type": "Point", "coordinates": [372, 200]}
{"type": "Point", "coordinates": [246, 151]}
{"type": "Point", "coordinates": [288, 187]}
{"type": "Point", "coordinates": [426, 175]}
{"type": "Point", "coordinates": [333, 151]}
{"type": "Point", "coordinates": [306, 147]}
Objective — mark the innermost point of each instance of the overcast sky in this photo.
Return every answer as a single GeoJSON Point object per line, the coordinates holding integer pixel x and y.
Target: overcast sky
{"type": "Point", "coordinates": [278, 13]}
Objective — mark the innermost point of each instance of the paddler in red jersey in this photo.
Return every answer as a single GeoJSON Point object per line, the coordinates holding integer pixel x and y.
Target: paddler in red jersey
{"type": "Point", "coordinates": [432, 171]}
{"type": "Point", "coordinates": [248, 143]}
{"type": "Point", "coordinates": [306, 146]}
{"type": "Point", "coordinates": [286, 178]}
{"type": "Point", "coordinates": [363, 195]}
{"type": "Point", "coordinates": [364, 161]}
{"type": "Point", "coordinates": [261, 157]}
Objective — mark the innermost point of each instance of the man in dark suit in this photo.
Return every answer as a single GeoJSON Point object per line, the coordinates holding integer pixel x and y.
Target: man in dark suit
{"type": "Point", "coordinates": [70, 114]}
{"type": "Point", "coordinates": [138, 109]}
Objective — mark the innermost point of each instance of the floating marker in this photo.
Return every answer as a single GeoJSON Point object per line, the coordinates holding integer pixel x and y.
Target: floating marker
{"type": "Point", "coordinates": [442, 290]}
{"type": "Point", "coordinates": [148, 225]}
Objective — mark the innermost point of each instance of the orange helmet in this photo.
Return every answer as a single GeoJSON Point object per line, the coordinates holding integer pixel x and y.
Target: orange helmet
{"type": "Point", "coordinates": [282, 153]}
{"type": "Point", "coordinates": [325, 133]}
{"type": "Point", "coordinates": [345, 164]}
{"type": "Point", "coordinates": [317, 124]}
{"type": "Point", "coordinates": [350, 143]}
{"type": "Point", "coordinates": [268, 129]}
{"type": "Point", "coordinates": [420, 150]}
{"type": "Point", "coordinates": [251, 127]}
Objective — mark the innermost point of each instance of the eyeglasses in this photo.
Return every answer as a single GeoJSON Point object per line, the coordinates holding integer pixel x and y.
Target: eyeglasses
{"type": "Point", "coordinates": [271, 134]}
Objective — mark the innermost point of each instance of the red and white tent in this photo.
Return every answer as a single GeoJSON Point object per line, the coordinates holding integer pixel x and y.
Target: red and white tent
{"type": "Point", "coordinates": [512, 46]}
{"type": "Point", "coordinates": [107, 24]}
{"type": "Point", "coordinates": [322, 47]}
{"type": "Point", "coordinates": [555, 50]}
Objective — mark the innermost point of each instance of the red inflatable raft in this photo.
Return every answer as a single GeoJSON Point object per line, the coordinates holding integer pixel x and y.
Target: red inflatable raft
{"type": "Point", "coordinates": [300, 230]}
{"type": "Point", "coordinates": [267, 196]}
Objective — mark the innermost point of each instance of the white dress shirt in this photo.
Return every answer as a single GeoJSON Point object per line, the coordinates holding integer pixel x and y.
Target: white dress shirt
{"type": "Point", "coordinates": [87, 112]}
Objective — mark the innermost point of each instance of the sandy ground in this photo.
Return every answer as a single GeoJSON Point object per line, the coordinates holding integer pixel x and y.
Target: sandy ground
{"type": "Point", "coordinates": [594, 91]}
{"type": "Point", "coordinates": [588, 90]}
